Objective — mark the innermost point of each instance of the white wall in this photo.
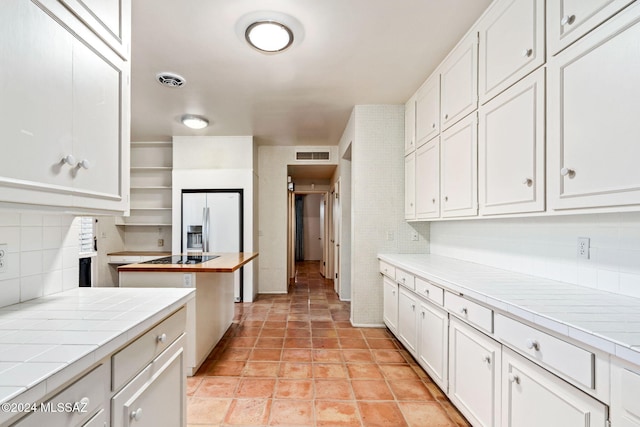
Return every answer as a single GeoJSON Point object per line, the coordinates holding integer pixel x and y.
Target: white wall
{"type": "Point", "coordinates": [42, 255]}
{"type": "Point", "coordinates": [377, 205]}
{"type": "Point", "coordinates": [273, 161]}
{"type": "Point", "coordinates": [110, 239]}
{"type": "Point", "coordinates": [547, 247]}
{"type": "Point", "coordinates": [218, 163]}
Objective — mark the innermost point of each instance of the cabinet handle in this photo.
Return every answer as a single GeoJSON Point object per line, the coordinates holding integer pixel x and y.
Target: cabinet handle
{"type": "Point", "coordinates": [413, 307]}
{"type": "Point", "coordinates": [433, 200]}
{"type": "Point", "coordinates": [487, 360]}
{"type": "Point", "coordinates": [527, 53]}
{"type": "Point", "coordinates": [136, 415]}
{"type": "Point", "coordinates": [567, 172]}
{"type": "Point", "coordinates": [161, 338]}
{"type": "Point", "coordinates": [426, 291]}
{"type": "Point", "coordinates": [69, 159]}
{"type": "Point", "coordinates": [446, 116]}
{"type": "Point", "coordinates": [528, 182]}
{"type": "Point", "coordinates": [533, 344]}
{"type": "Point", "coordinates": [446, 198]}
{"type": "Point", "coordinates": [84, 164]}
{"type": "Point", "coordinates": [464, 311]}
{"type": "Point", "coordinates": [514, 378]}
{"type": "Point", "coordinates": [423, 314]}
{"type": "Point", "coordinates": [433, 125]}
{"type": "Point", "coordinates": [567, 19]}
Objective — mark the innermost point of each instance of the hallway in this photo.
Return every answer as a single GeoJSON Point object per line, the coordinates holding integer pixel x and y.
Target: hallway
{"type": "Point", "coordinates": [295, 360]}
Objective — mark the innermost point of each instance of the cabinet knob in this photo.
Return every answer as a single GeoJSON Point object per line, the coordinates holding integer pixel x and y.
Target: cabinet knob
{"type": "Point", "coordinates": [413, 307]}
{"type": "Point", "coordinates": [487, 360]}
{"type": "Point", "coordinates": [423, 314]}
{"type": "Point", "coordinates": [404, 279]}
{"type": "Point", "coordinates": [527, 53]}
{"type": "Point", "coordinates": [533, 344]}
{"type": "Point", "coordinates": [84, 164]}
{"type": "Point", "coordinates": [69, 159]}
{"type": "Point", "coordinates": [136, 415]}
{"type": "Point", "coordinates": [426, 291]}
{"type": "Point", "coordinates": [446, 198]}
{"type": "Point", "coordinates": [528, 182]}
{"type": "Point", "coordinates": [393, 292]}
{"type": "Point", "coordinates": [161, 338]}
{"type": "Point", "coordinates": [567, 19]}
{"type": "Point", "coordinates": [410, 204]}
{"type": "Point", "coordinates": [464, 310]}
{"type": "Point", "coordinates": [433, 125]}
{"type": "Point", "coordinates": [84, 403]}
{"type": "Point", "coordinates": [514, 378]}
{"type": "Point", "coordinates": [433, 200]}
{"type": "Point", "coordinates": [446, 116]}
{"type": "Point", "coordinates": [567, 172]}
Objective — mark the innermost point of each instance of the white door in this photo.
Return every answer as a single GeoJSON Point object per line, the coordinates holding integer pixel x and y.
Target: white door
{"type": "Point", "coordinates": [390, 303]}
{"type": "Point", "coordinates": [428, 110]}
{"type": "Point", "coordinates": [459, 82]}
{"type": "Point", "coordinates": [527, 388]}
{"type": "Point", "coordinates": [224, 221]}
{"type": "Point", "coordinates": [410, 126]}
{"type": "Point", "coordinates": [410, 186]}
{"type": "Point", "coordinates": [336, 236]}
{"type": "Point", "coordinates": [433, 343]}
{"type": "Point", "coordinates": [408, 320]}
{"type": "Point", "coordinates": [323, 228]}
{"type": "Point", "coordinates": [427, 180]}
{"type": "Point", "coordinates": [474, 374]}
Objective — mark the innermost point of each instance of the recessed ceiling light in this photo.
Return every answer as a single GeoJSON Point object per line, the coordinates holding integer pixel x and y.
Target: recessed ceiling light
{"type": "Point", "coordinates": [269, 36]}
{"type": "Point", "coordinates": [170, 79]}
{"type": "Point", "coordinates": [194, 122]}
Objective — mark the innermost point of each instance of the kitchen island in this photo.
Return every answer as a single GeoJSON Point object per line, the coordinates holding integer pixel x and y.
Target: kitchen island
{"type": "Point", "coordinates": [214, 307]}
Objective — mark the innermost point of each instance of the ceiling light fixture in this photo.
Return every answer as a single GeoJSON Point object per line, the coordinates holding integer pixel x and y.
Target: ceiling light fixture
{"type": "Point", "coordinates": [269, 36]}
{"type": "Point", "coordinates": [194, 122]}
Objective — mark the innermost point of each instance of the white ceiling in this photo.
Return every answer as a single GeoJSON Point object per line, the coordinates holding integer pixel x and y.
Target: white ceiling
{"type": "Point", "coordinates": [352, 52]}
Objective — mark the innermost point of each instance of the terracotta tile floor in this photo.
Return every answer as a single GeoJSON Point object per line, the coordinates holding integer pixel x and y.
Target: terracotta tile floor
{"type": "Point", "coordinates": [295, 360]}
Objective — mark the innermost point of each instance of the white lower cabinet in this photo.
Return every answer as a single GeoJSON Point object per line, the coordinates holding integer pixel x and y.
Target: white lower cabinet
{"type": "Point", "coordinates": [474, 374]}
{"type": "Point", "coordinates": [533, 397]}
{"type": "Point", "coordinates": [433, 342]}
{"type": "Point", "coordinates": [390, 304]}
{"type": "Point", "coordinates": [625, 389]}
{"type": "Point", "coordinates": [408, 320]}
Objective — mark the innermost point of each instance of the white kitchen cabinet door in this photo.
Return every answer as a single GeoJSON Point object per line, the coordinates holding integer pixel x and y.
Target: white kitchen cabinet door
{"type": "Point", "coordinates": [459, 81]}
{"type": "Point", "coordinates": [408, 320]}
{"type": "Point", "coordinates": [427, 180]}
{"type": "Point", "coordinates": [533, 397]}
{"type": "Point", "coordinates": [511, 149]}
{"type": "Point", "coordinates": [459, 169]}
{"type": "Point", "coordinates": [428, 110]}
{"type": "Point", "coordinates": [410, 186]}
{"type": "Point", "coordinates": [568, 20]}
{"type": "Point", "coordinates": [390, 303]}
{"type": "Point", "coordinates": [474, 374]}
{"type": "Point", "coordinates": [410, 126]}
{"type": "Point", "coordinates": [625, 389]}
{"type": "Point", "coordinates": [433, 342]}
{"type": "Point", "coordinates": [511, 44]}
{"type": "Point", "coordinates": [593, 110]}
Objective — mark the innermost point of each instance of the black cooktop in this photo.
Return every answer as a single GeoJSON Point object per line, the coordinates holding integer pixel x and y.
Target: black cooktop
{"type": "Point", "coordinates": [182, 259]}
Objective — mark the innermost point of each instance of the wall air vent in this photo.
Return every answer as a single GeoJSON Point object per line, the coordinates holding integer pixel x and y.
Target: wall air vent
{"type": "Point", "coordinates": [312, 155]}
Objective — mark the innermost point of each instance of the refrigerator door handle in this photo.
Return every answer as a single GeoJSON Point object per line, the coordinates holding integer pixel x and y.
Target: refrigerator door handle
{"type": "Point", "coordinates": [204, 229]}
{"type": "Point", "coordinates": [208, 219]}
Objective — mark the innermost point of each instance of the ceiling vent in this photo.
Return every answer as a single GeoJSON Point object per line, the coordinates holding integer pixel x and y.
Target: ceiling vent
{"type": "Point", "coordinates": [312, 155]}
{"type": "Point", "coordinates": [170, 79]}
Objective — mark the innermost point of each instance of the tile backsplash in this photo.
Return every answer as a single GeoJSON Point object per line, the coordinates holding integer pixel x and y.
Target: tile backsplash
{"type": "Point", "coordinates": [42, 255]}
{"type": "Point", "coordinates": [547, 247]}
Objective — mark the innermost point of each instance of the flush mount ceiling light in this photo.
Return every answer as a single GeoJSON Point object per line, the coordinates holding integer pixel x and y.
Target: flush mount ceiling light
{"type": "Point", "coordinates": [269, 32]}
{"type": "Point", "coordinates": [194, 122]}
{"type": "Point", "coordinates": [269, 36]}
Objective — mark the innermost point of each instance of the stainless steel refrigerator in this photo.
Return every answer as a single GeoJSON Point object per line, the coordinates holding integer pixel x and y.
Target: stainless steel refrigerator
{"type": "Point", "coordinates": [212, 222]}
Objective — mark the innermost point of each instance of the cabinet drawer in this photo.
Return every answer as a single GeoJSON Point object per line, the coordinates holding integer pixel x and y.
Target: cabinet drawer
{"type": "Point", "coordinates": [88, 393]}
{"type": "Point", "coordinates": [130, 360]}
{"type": "Point", "coordinates": [131, 259]}
{"type": "Point", "coordinates": [429, 291]}
{"type": "Point", "coordinates": [388, 270]}
{"type": "Point", "coordinates": [405, 279]}
{"type": "Point", "coordinates": [473, 313]}
{"type": "Point", "coordinates": [99, 420]}
{"type": "Point", "coordinates": [573, 362]}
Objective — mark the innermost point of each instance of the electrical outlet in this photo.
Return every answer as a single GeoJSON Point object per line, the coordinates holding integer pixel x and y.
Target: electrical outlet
{"type": "Point", "coordinates": [160, 243]}
{"type": "Point", "coordinates": [583, 247]}
{"type": "Point", "coordinates": [3, 257]}
{"type": "Point", "coordinates": [187, 280]}
{"type": "Point", "coordinates": [414, 236]}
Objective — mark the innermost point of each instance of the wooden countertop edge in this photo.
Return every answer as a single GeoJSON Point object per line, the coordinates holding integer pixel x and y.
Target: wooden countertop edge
{"type": "Point", "coordinates": [205, 267]}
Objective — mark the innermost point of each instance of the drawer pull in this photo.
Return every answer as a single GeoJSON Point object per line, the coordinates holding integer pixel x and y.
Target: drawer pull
{"type": "Point", "coordinates": [487, 360]}
{"type": "Point", "coordinates": [426, 291]}
{"type": "Point", "coordinates": [413, 307]}
{"type": "Point", "coordinates": [514, 378]}
{"type": "Point", "coordinates": [533, 344]}
{"type": "Point", "coordinates": [161, 338]}
{"type": "Point", "coordinates": [567, 19]}
{"type": "Point", "coordinates": [464, 311]}
{"type": "Point", "coordinates": [136, 415]}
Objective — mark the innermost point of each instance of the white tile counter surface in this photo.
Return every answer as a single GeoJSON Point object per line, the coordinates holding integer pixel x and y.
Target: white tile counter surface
{"type": "Point", "coordinates": [604, 320]}
{"type": "Point", "coordinates": [44, 342]}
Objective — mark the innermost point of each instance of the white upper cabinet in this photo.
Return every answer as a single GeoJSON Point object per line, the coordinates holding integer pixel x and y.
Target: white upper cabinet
{"type": "Point", "coordinates": [427, 180]}
{"type": "Point", "coordinates": [459, 166]}
{"type": "Point", "coordinates": [593, 130]}
{"type": "Point", "coordinates": [410, 186]}
{"type": "Point", "coordinates": [511, 149]}
{"type": "Point", "coordinates": [428, 110]}
{"type": "Point", "coordinates": [511, 44]}
{"type": "Point", "coordinates": [459, 81]}
{"type": "Point", "coordinates": [65, 112]}
{"type": "Point", "coordinates": [410, 125]}
{"type": "Point", "coordinates": [568, 20]}
{"type": "Point", "coordinates": [110, 20]}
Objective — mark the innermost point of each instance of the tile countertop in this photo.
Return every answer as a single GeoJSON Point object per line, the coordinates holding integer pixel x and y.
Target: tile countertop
{"type": "Point", "coordinates": [46, 341]}
{"type": "Point", "coordinates": [225, 263]}
{"type": "Point", "coordinates": [607, 321]}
